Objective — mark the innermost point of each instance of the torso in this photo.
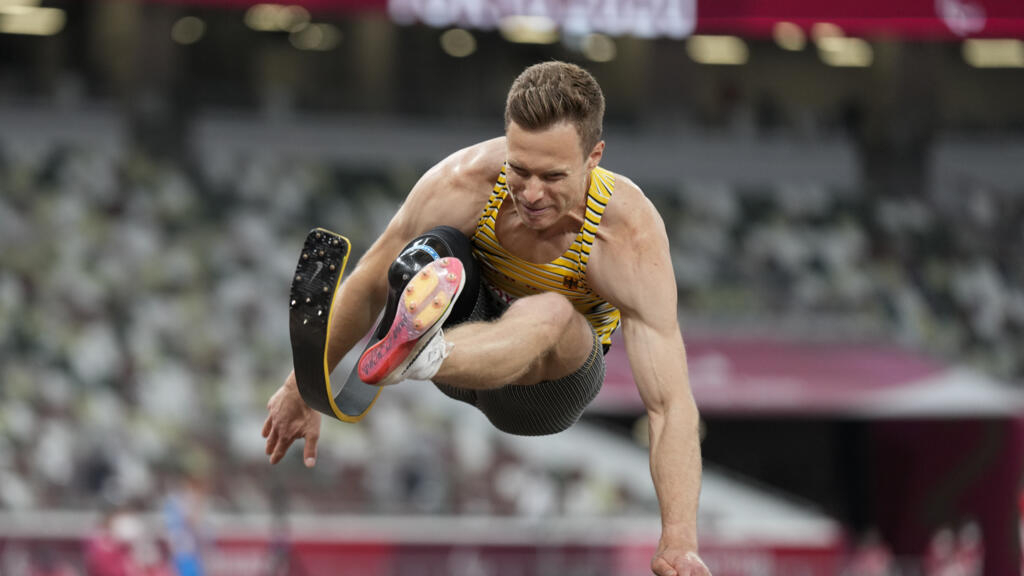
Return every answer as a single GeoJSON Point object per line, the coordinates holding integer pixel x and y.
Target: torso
{"type": "Point", "coordinates": [517, 262]}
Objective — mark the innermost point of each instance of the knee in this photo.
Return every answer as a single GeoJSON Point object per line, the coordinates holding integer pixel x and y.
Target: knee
{"type": "Point", "coordinates": [549, 311]}
{"type": "Point", "coordinates": [436, 243]}
{"type": "Point", "coordinates": [561, 336]}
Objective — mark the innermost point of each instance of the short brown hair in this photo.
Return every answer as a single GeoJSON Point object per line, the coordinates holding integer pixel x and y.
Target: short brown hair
{"type": "Point", "coordinates": [552, 92]}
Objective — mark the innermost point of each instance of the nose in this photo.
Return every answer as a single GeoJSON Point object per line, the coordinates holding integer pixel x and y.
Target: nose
{"type": "Point", "coordinates": [532, 191]}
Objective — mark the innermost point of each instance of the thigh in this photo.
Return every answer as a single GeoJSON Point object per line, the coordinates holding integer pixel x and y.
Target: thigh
{"type": "Point", "coordinates": [551, 318]}
{"type": "Point", "coordinates": [546, 407]}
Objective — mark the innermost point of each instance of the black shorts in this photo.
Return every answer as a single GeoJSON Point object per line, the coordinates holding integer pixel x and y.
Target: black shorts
{"type": "Point", "coordinates": [544, 408]}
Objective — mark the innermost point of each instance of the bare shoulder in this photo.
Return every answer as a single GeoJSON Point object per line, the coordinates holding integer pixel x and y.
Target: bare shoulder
{"type": "Point", "coordinates": [481, 161]}
{"type": "Point", "coordinates": [630, 218]}
{"type": "Point", "coordinates": [472, 168]}
{"type": "Point", "coordinates": [632, 243]}
{"type": "Point", "coordinates": [453, 191]}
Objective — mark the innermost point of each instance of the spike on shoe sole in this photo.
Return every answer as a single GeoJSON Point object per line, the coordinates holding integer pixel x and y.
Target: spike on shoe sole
{"type": "Point", "coordinates": [422, 284]}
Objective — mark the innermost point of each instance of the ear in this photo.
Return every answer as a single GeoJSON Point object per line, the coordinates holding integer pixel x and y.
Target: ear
{"type": "Point", "coordinates": [594, 158]}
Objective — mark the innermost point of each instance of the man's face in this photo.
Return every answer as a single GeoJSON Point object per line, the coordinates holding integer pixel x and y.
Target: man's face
{"type": "Point", "coordinates": [547, 172]}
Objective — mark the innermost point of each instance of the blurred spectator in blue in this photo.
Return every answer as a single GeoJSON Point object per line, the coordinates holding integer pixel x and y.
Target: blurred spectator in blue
{"type": "Point", "coordinates": [184, 509]}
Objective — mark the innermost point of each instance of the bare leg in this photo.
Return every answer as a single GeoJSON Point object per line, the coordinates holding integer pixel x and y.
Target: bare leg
{"type": "Point", "coordinates": [538, 338]}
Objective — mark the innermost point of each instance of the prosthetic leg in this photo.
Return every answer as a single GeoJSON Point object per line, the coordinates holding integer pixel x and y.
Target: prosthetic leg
{"type": "Point", "coordinates": [317, 278]}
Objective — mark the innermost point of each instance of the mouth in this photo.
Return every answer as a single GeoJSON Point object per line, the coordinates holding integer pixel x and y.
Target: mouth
{"type": "Point", "coordinates": [533, 212]}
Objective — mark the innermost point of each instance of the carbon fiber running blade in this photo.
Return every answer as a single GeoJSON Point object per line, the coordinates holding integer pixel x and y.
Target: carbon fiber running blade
{"type": "Point", "coordinates": [314, 285]}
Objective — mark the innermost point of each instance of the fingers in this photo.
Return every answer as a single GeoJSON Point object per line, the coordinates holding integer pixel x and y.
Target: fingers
{"type": "Point", "coordinates": [662, 568]}
{"type": "Point", "coordinates": [277, 447]}
{"type": "Point", "coordinates": [277, 444]}
{"type": "Point", "coordinates": [309, 451]}
{"type": "Point", "coordinates": [689, 565]}
{"type": "Point", "coordinates": [286, 422]}
{"type": "Point", "coordinates": [699, 567]}
{"type": "Point", "coordinates": [271, 442]}
{"type": "Point", "coordinates": [280, 450]}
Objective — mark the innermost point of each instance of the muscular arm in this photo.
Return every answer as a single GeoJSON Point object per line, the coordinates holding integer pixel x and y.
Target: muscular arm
{"type": "Point", "coordinates": [445, 195]}
{"type": "Point", "coordinates": [633, 271]}
{"type": "Point", "coordinates": [451, 193]}
{"type": "Point", "coordinates": [658, 358]}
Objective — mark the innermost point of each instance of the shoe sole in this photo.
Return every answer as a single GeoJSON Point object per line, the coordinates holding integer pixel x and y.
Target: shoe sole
{"type": "Point", "coordinates": [425, 304]}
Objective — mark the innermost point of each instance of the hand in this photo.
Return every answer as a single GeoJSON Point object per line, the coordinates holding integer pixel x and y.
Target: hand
{"type": "Point", "coordinates": [288, 419]}
{"type": "Point", "coordinates": [670, 561]}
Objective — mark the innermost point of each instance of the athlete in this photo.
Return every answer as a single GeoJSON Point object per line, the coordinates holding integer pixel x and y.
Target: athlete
{"type": "Point", "coordinates": [502, 277]}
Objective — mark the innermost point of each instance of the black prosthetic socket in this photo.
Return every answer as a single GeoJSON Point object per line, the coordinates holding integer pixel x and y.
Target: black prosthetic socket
{"type": "Point", "coordinates": [436, 243]}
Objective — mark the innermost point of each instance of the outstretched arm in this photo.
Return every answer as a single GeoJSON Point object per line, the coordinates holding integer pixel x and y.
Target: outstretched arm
{"type": "Point", "coordinates": [658, 358]}
{"type": "Point", "coordinates": [634, 272]}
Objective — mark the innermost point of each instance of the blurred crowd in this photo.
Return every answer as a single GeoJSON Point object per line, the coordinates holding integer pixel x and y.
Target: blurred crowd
{"type": "Point", "coordinates": [143, 319]}
{"type": "Point", "coordinates": [144, 311]}
{"type": "Point", "coordinates": [943, 277]}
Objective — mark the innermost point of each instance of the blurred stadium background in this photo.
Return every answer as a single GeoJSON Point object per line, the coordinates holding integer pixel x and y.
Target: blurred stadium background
{"type": "Point", "coordinates": [842, 185]}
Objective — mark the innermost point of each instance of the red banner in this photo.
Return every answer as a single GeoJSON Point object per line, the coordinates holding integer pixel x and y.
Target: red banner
{"type": "Point", "coordinates": [908, 19]}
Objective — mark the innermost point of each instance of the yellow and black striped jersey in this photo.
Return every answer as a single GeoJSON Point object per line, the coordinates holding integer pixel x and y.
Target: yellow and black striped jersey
{"type": "Point", "coordinates": [511, 277]}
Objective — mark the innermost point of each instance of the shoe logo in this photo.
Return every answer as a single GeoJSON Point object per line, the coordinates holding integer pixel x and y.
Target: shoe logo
{"type": "Point", "coordinates": [434, 354]}
{"type": "Point", "coordinates": [378, 353]}
{"type": "Point", "coordinates": [425, 248]}
{"type": "Point", "coordinates": [319, 267]}
{"type": "Point", "coordinates": [430, 356]}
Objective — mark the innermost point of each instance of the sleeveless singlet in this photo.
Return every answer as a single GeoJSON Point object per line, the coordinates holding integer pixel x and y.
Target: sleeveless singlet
{"type": "Point", "coordinates": [510, 277]}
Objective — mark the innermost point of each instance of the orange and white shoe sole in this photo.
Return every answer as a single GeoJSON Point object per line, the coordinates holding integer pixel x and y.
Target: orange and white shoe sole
{"type": "Point", "coordinates": [425, 304]}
